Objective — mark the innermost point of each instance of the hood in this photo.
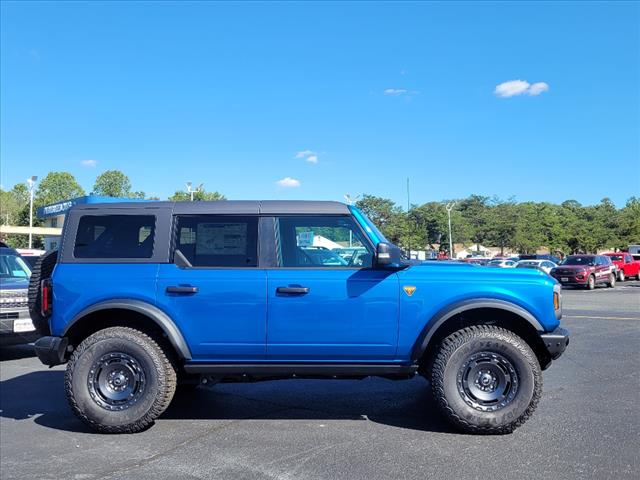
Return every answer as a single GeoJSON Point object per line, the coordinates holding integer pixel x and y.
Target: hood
{"type": "Point", "coordinates": [573, 267]}
{"type": "Point", "coordinates": [14, 284]}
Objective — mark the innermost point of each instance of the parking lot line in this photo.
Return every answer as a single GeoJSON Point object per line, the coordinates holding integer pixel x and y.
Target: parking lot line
{"type": "Point", "coordinates": [593, 317]}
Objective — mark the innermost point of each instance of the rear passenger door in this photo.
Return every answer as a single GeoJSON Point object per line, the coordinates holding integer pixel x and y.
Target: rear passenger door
{"type": "Point", "coordinates": [219, 302]}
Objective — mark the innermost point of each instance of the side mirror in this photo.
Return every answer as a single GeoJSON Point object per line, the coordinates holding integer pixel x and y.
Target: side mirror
{"type": "Point", "coordinates": [387, 255]}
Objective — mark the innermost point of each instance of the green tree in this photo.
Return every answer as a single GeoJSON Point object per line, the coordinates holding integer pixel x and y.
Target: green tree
{"type": "Point", "coordinates": [386, 215]}
{"type": "Point", "coordinates": [56, 187]}
{"type": "Point", "coordinates": [114, 183]}
{"type": "Point", "coordinates": [198, 196]}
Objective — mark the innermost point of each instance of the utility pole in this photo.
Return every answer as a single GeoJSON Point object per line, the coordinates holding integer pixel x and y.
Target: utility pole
{"type": "Point", "coordinates": [408, 219]}
{"type": "Point", "coordinates": [31, 183]}
{"type": "Point", "coordinates": [449, 207]}
{"type": "Point", "coordinates": [191, 191]}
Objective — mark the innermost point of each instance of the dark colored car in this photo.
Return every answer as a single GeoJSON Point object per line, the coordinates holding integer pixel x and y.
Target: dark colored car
{"type": "Point", "coordinates": [585, 271]}
{"type": "Point", "coordinates": [15, 323]}
{"type": "Point", "coordinates": [541, 256]}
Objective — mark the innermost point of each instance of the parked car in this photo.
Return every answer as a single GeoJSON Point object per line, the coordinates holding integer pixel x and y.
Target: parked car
{"type": "Point", "coordinates": [502, 263]}
{"type": "Point", "coordinates": [626, 266]}
{"type": "Point", "coordinates": [15, 324]}
{"type": "Point", "coordinates": [585, 271]}
{"type": "Point", "coordinates": [143, 297]}
{"type": "Point", "coordinates": [540, 256]}
{"type": "Point", "coordinates": [544, 265]}
{"type": "Point", "coordinates": [30, 255]}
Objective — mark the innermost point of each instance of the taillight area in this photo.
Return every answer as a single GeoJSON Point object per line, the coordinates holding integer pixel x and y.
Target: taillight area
{"type": "Point", "coordinates": [46, 297]}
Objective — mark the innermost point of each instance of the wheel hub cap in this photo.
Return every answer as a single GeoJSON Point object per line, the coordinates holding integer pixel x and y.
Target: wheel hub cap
{"type": "Point", "coordinates": [487, 381]}
{"type": "Point", "coordinates": [116, 381]}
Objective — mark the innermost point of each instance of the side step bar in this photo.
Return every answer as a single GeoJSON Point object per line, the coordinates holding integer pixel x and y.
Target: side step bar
{"type": "Point", "coordinates": [301, 370]}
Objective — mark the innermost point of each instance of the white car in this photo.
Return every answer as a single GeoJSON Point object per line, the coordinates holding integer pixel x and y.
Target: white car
{"type": "Point", "coordinates": [544, 265]}
{"type": "Point", "coordinates": [502, 263]}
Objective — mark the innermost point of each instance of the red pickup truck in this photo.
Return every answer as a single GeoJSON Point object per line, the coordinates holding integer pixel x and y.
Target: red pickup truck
{"type": "Point", "coordinates": [626, 265]}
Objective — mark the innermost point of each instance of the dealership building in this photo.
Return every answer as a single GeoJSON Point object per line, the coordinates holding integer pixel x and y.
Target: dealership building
{"type": "Point", "coordinates": [55, 214]}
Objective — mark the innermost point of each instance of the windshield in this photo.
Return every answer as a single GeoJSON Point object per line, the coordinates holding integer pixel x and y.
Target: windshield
{"type": "Point", "coordinates": [12, 266]}
{"type": "Point", "coordinates": [371, 229]}
{"type": "Point", "coordinates": [579, 261]}
{"type": "Point", "coordinates": [615, 257]}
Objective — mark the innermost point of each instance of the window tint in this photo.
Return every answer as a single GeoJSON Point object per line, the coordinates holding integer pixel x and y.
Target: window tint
{"type": "Point", "coordinates": [115, 236]}
{"type": "Point", "coordinates": [317, 241]}
{"type": "Point", "coordinates": [218, 240]}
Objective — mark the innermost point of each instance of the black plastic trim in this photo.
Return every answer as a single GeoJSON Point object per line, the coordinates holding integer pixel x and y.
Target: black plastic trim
{"type": "Point", "coordinates": [158, 316]}
{"type": "Point", "coordinates": [51, 350]}
{"type": "Point", "coordinates": [290, 370]}
{"type": "Point", "coordinates": [465, 305]}
{"type": "Point", "coordinates": [556, 342]}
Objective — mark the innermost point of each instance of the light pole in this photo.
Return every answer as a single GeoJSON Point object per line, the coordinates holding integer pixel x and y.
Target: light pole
{"type": "Point", "coordinates": [31, 183]}
{"type": "Point", "coordinates": [449, 207]}
{"type": "Point", "coordinates": [351, 201]}
{"type": "Point", "coordinates": [191, 191]}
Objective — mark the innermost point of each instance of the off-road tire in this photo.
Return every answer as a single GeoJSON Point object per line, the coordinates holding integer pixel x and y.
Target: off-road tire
{"type": "Point", "coordinates": [591, 282]}
{"type": "Point", "coordinates": [454, 351]}
{"type": "Point", "coordinates": [612, 281]}
{"type": "Point", "coordinates": [41, 271]}
{"type": "Point", "coordinates": [159, 387]}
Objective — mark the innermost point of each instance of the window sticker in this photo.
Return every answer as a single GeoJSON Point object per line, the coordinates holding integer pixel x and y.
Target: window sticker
{"type": "Point", "coordinates": [221, 239]}
{"type": "Point", "coordinates": [305, 239]}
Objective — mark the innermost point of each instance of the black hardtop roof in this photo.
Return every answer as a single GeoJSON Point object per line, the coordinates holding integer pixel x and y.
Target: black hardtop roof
{"type": "Point", "coordinates": [228, 207]}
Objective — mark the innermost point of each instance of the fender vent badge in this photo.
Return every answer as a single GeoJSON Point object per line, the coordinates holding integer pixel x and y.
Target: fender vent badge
{"type": "Point", "coordinates": [409, 289]}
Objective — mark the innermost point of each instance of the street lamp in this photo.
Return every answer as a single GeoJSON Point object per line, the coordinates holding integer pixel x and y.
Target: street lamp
{"type": "Point", "coordinates": [449, 207]}
{"type": "Point", "coordinates": [31, 183]}
{"type": "Point", "coordinates": [351, 201]}
{"type": "Point", "coordinates": [191, 191]}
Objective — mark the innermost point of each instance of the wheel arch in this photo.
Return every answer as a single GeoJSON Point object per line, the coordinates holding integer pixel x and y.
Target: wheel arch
{"type": "Point", "coordinates": [126, 312]}
{"type": "Point", "coordinates": [485, 311]}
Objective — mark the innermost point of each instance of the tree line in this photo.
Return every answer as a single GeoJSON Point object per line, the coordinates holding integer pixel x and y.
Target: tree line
{"type": "Point", "coordinates": [522, 227]}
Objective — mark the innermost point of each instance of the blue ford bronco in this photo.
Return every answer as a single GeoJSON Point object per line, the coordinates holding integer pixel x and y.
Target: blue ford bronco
{"type": "Point", "coordinates": [144, 298]}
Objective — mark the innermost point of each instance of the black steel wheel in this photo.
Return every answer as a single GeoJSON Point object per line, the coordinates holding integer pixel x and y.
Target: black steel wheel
{"type": "Point", "coordinates": [486, 379]}
{"type": "Point", "coordinates": [119, 380]}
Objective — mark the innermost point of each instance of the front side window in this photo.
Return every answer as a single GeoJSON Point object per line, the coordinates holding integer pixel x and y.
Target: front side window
{"type": "Point", "coordinates": [218, 240]}
{"type": "Point", "coordinates": [12, 267]}
{"type": "Point", "coordinates": [322, 242]}
{"type": "Point", "coordinates": [115, 236]}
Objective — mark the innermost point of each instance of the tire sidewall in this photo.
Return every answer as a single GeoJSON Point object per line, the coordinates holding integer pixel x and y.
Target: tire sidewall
{"type": "Point", "coordinates": [79, 374]}
{"type": "Point", "coordinates": [591, 282]}
{"type": "Point", "coordinates": [509, 413]}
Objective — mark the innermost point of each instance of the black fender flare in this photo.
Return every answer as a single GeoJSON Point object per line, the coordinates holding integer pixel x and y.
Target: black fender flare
{"type": "Point", "coordinates": [163, 320]}
{"type": "Point", "coordinates": [450, 311]}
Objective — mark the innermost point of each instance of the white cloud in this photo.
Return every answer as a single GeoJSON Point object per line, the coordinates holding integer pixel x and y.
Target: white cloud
{"type": "Point", "coordinates": [304, 153]}
{"type": "Point", "coordinates": [309, 155]}
{"type": "Point", "coordinates": [288, 182]}
{"type": "Point", "coordinates": [513, 88]}
{"type": "Point", "coordinates": [394, 92]}
{"type": "Point", "coordinates": [538, 88]}
{"type": "Point", "coordinates": [89, 163]}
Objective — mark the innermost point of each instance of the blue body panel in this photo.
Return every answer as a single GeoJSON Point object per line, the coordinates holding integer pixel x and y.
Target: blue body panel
{"type": "Point", "coordinates": [79, 286]}
{"type": "Point", "coordinates": [348, 315]}
{"type": "Point", "coordinates": [226, 319]}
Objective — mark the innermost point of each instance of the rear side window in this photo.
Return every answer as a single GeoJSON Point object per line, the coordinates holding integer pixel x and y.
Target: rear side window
{"type": "Point", "coordinates": [115, 236]}
{"type": "Point", "coordinates": [218, 240]}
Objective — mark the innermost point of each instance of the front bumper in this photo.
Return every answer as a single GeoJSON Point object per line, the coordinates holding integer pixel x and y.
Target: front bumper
{"type": "Point", "coordinates": [556, 342]}
{"type": "Point", "coordinates": [16, 327]}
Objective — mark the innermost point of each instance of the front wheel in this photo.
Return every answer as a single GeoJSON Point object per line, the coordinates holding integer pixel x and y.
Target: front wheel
{"type": "Point", "coordinates": [612, 281]}
{"type": "Point", "coordinates": [486, 380]}
{"type": "Point", "coordinates": [621, 275]}
{"type": "Point", "coordinates": [591, 282]}
{"type": "Point", "coordinates": [119, 380]}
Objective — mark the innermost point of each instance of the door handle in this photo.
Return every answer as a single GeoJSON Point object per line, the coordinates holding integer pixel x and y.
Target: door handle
{"type": "Point", "coordinates": [293, 290]}
{"type": "Point", "coordinates": [182, 289]}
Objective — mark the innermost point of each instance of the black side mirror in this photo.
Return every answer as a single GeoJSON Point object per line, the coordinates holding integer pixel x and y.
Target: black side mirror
{"type": "Point", "coordinates": [387, 255]}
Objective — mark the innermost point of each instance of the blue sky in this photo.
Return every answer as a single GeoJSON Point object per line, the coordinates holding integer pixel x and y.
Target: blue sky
{"type": "Point", "coordinates": [327, 98]}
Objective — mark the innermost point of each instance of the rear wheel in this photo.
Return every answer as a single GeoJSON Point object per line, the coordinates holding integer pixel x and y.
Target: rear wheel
{"type": "Point", "coordinates": [621, 275]}
{"type": "Point", "coordinates": [486, 380]}
{"type": "Point", "coordinates": [41, 271]}
{"type": "Point", "coordinates": [119, 380]}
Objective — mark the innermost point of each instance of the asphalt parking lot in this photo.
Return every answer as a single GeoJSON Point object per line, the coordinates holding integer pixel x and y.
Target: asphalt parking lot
{"type": "Point", "coordinates": [586, 426]}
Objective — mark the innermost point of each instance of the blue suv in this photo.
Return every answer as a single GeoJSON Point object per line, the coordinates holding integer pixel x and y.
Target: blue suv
{"type": "Point", "coordinates": [144, 298]}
